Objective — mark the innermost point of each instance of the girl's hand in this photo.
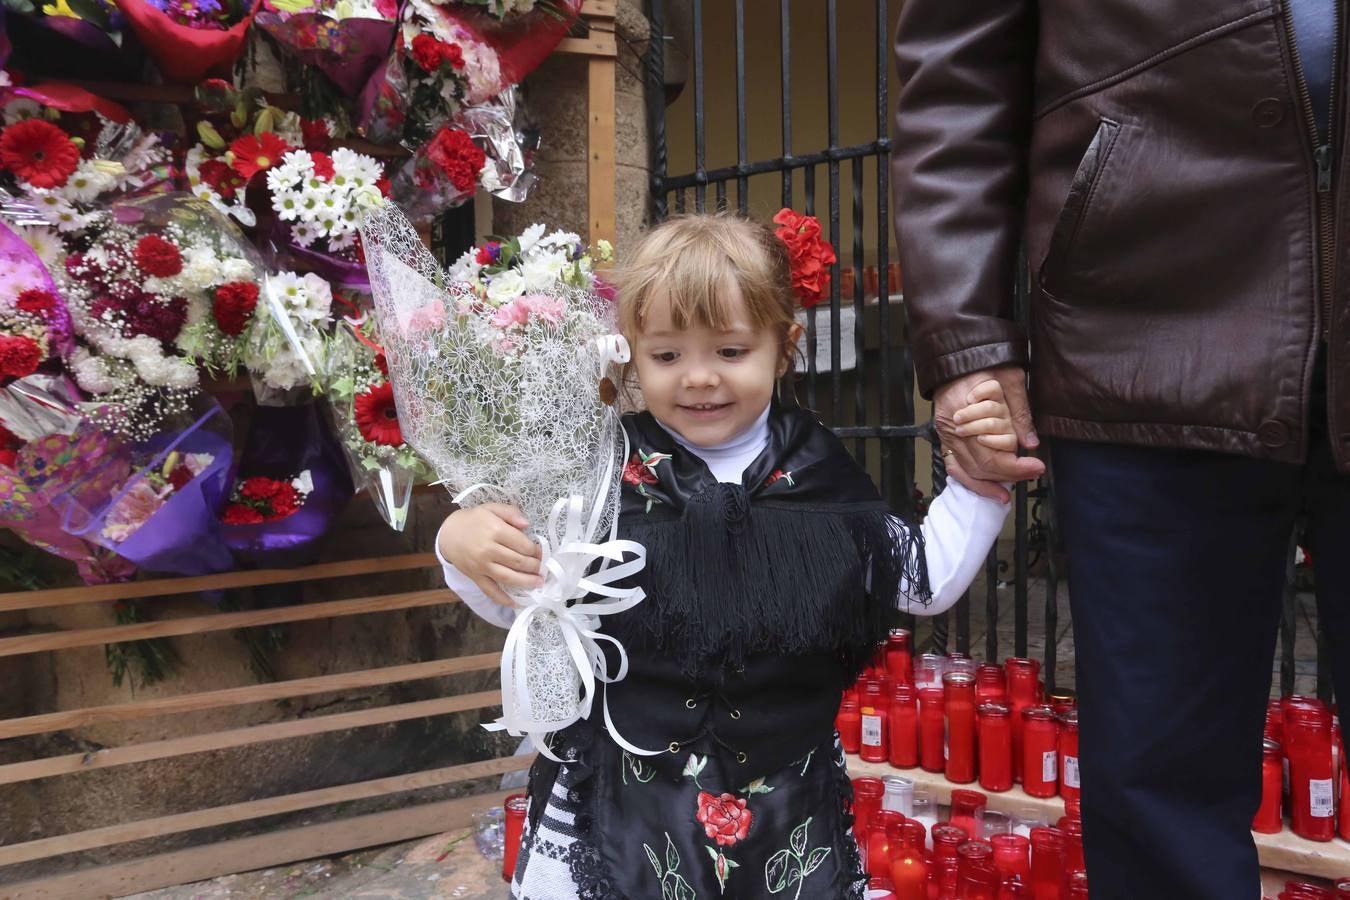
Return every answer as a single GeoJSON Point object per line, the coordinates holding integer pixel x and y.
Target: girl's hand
{"type": "Point", "coordinates": [987, 418]}
{"type": "Point", "coordinates": [487, 543]}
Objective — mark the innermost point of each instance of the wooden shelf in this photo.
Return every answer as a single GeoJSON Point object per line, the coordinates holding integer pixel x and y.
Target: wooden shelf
{"type": "Point", "coordinates": [1285, 851]}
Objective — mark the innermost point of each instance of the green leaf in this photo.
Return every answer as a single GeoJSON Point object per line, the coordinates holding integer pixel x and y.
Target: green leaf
{"type": "Point", "coordinates": [672, 855]}
{"type": "Point", "coordinates": [683, 891]}
{"type": "Point", "coordinates": [776, 871]}
{"type": "Point", "coordinates": [815, 859]}
{"type": "Point", "coordinates": [798, 838]}
{"type": "Point", "coordinates": [90, 11]}
{"type": "Point", "coordinates": [651, 855]}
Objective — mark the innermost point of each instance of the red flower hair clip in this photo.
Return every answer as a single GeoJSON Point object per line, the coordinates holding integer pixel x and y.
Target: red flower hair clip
{"type": "Point", "coordinates": [809, 255]}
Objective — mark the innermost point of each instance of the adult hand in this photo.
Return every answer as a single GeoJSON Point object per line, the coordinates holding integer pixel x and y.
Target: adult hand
{"type": "Point", "coordinates": [972, 460]}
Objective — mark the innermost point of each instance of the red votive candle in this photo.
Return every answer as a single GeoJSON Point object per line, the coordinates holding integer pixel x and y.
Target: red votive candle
{"type": "Point", "coordinates": [878, 846]}
{"type": "Point", "coordinates": [1345, 796]}
{"type": "Point", "coordinates": [976, 878]}
{"type": "Point", "coordinates": [1076, 885]}
{"type": "Point", "coordinates": [1068, 754]}
{"type": "Point", "coordinates": [1040, 751]}
{"type": "Point", "coordinates": [932, 729]}
{"type": "Point", "coordinates": [1047, 863]}
{"type": "Point", "coordinates": [873, 727]}
{"type": "Point", "coordinates": [515, 807]}
{"type": "Point", "coordinates": [1307, 729]}
{"type": "Point", "coordinates": [909, 863]}
{"type": "Point", "coordinates": [1012, 856]}
{"type": "Point", "coordinates": [879, 888]}
{"type": "Point", "coordinates": [995, 747]}
{"type": "Point", "coordinates": [1014, 889]}
{"type": "Point", "coordinates": [849, 725]}
{"type": "Point", "coordinates": [959, 705]}
{"type": "Point", "coordinates": [968, 811]}
{"type": "Point", "coordinates": [867, 794]}
{"type": "Point", "coordinates": [1022, 688]}
{"type": "Point", "coordinates": [991, 684]}
{"type": "Point", "coordinates": [904, 727]}
{"type": "Point", "coordinates": [900, 656]}
{"type": "Point", "coordinates": [1269, 818]}
{"type": "Point", "coordinates": [1343, 889]}
{"type": "Point", "coordinates": [946, 838]}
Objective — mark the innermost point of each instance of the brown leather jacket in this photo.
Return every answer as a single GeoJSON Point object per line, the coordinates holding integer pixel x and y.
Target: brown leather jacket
{"type": "Point", "coordinates": [1185, 237]}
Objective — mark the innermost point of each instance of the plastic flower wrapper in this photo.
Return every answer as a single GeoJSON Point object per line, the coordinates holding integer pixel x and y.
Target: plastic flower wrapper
{"type": "Point", "coordinates": [292, 484]}
{"type": "Point", "coordinates": [503, 398]}
{"type": "Point", "coordinates": [67, 156]}
{"type": "Point", "coordinates": [165, 516]}
{"type": "Point", "coordinates": [50, 451]}
{"type": "Point", "coordinates": [284, 348]}
{"type": "Point", "coordinates": [345, 39]}
{"type": "Point", "coordinates": [191, 39]}
{"type": "Point", "coordinates": [35, 325]}
{"type": "Point", "coordinates": [361, 400]}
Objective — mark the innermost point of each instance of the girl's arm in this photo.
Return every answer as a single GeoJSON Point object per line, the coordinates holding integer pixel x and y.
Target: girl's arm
{"type": "Point", "coordinates": [958, 533]}
{"type": "Point", "coordinates": [473, 596]}
{"type": "Point", "coordinates": [480, 550]}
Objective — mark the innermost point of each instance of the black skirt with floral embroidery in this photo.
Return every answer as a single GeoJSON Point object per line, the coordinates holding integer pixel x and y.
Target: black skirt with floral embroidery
{"type": "Point", "coordinates": [609, 826]}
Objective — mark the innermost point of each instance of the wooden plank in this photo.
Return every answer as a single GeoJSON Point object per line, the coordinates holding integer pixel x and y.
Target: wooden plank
{"type": "Point", "coordinates": [599, 9]}
{"type": "Point", "coordinates": [115, 634]}
{"type": "Point", "coordinates": [159, 587]}
{"type": "Point", "coordinates": [597, 43]}
{"type": "Point", "coordinates": [600, 143]}
{"type": "Point", "coordinates": [72, 763]}
{"type": "Point", "coordinates": [238, 696]}
{"type": "Point", "coordinates": [256, 809]}
{"type": "Point", "coordinates": [246, 854]}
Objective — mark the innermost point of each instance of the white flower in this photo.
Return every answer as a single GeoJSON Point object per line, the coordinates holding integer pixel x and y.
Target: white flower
{"type": "Point", "coordinates": [68, 220]}
{"type": "Point", "coordinates": [505, 286]}
{"type": "Point", "coordinates": [342, 240]}
{"type": "Point", "coordinates": [466, 268]}
{"type": "Point", "coordinates": [543, 271]}
{"type": "Point", "coordinates": [530, 236]}
{"type": "Point", "coordinates": [304, 233]}
{"type": "Point", "coordinates": [235, 268]}
{"type": "Point", "coordinates": [320, 297]}
{"type": "Point", "coordinates": [21, 108]}
{"type": "Point", "coordinates": [201, 269]}
{"type": "Point", "coordinates": [45, 244]}
{"type": "Point", "coordinates": [287, 204]}
{"type": "Point", "coordinates": [482, 67]}
{"type": "Point", "coordinates": [86, 183]}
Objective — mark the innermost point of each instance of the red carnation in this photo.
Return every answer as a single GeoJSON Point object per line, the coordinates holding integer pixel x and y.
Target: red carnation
{"type": "Point", "coordinates": [158, 257]}
{"type": "Point", "coordinates": [220, 178]}
{"type": "Point", "coordinates": [258, 488]}
{"type": "Point", "coordinates": [376, 416]}
{"type": "Point", "coordinates": [239, 514]}
{"type": "Point", "coordinates": [234, 305]}
{"type": "Point", "coordinates": [35, 300]}
{"type": "Point", "coordinates": [450, 53]}
{"type": "Point", "coordinates": [431, 53]}
{"type": "Point", "coordinates": [725, 819]}
{"type": "Point", "coordinates": [323, 165]}
{"type": "Point", "coordinates": [314, 133]}
{"type": "Point", "coordinates": [383, 184]}
{"type": "Point", "coordinates": [257, 153]}
{"type": "Point", "coordinates": [382, 363]}
{"type": "Point", "coordinates": [808, 255]}
{"type": "Point", "coordinates": [19, 356]}
{"type": "Point", "coordinates": [285, 501]}
{"type": "Point", "coordinates": [454, 153]}
{"type": "Point", "coordinates": [38, 152]}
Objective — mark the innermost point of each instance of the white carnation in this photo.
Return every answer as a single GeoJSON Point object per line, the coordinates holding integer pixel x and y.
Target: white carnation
{"type": "Point", "coordinates": [505, 286]}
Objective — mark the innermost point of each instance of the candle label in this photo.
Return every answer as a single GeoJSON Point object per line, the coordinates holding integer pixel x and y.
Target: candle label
{"type": "Point", "coordinates": [871, 731]}
{"type": "Point", "coordinates": [1071, 772]}
{"type": "Point", "coordinates": [1049, 765]}
{"type": "Point", "coordinates": [1320, 797]}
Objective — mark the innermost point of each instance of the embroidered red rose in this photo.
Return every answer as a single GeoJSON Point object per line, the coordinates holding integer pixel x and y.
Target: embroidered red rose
{"type": "Point", "coordinates": [158, 257]}
{"type": "Point", "coordinates": [808, 255]}
{"type": "Point", "coordinates": [637, 473]}
{"type": "Point", "coordinates": [778, 475]}
{"type": "Point", "coordinates": [234, 305]}
{"type": "Point", "coordinates": [725, 819]}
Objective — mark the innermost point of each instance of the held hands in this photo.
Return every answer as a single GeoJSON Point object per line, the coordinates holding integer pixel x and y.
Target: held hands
{"type": "Point", "coordinates": [982, 419]}
{"type": "Point", "coordinates": [487, 544]}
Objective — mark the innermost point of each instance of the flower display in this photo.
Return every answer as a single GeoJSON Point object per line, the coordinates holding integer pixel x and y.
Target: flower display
{"type": "Point", "coordinates": [150, 492]}
{"type": "Point", "coordinates": [38, 153]}
{"type": "Point", "coordinates": [323, 197]}
{"type": "Point", "coordinates": [34, 323]}
{"type": "Point", "coordinates": [284, 348]}
{"type": "Point", "coordinates": [259, 499]}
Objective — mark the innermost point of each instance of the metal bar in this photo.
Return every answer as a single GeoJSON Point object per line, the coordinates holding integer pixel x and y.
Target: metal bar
{"type": "Point", "coordinates": [721, 196]}
{"type": "Point", "coordinates": [700, 189]}
{"type": "Point", "coordinates": [991, 605]}
{"type": "Point", "coordinates": [656, 104]}
{"type": "Point", "coordinates": [785, 82]}
{"type": "Point", "coordinates": [1288, 623]}
{"type": "Point", "coordinates": [769, 166]}
{"type": "Point", "coordinates": [1051, 582]}
{"type": "Point", "coordinates": [832, 106]}
{"type": "Point", "coordinates": [859, 316]}
{"type": "Point", "coordinates": [812, 339]}
{"type": "Point", "coordinates": [884, 432]}
{"type": "Point", "coordinates": [742, 181]}
{"type": "Point", "coordinates": [1021, 312]}
{"type": "Point", "coordinates": [938, 639]}
{"type": "Point", "coordinates": [679, 202]}
{"type": "Point", "coordinates": [888, 489]}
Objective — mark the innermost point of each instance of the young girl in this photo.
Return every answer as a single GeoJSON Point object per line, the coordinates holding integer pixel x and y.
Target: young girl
{"type": "Point", "coordinates": [772, 570]}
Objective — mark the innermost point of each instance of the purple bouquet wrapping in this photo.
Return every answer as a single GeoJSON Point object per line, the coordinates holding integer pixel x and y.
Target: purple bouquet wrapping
{"type": "Point", "coordinates": [346, 41]}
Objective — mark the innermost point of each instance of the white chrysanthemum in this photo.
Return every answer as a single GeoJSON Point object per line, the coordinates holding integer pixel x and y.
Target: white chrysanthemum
{"type": "Point", "coordinates": [201, 269]}
{"type": "Point", "coordinates": [86, 183]}
{"type": "Point", "coordinates": [235, 268]}
{"type": "Point", "coordinates": [45, 243]}
{"type": "Point", "coordinates": [91, 373]}
{"type": "Point", "coordinates": [305, 233]}
{"type": "Point", "coordinates": [559, 238]}
{"type": "Point", "coordinates": [543, 271]}
{"type": "Point", "coordinates": [505, 286]}
{"type": "Point", "coordinates": [21, 108]}
{"type": "Point", "coordinates": [530, 236]}
{"type": "Point", "coordinates": [287, 205]}
{"type": "Point", "coordinates": [319, 295]}
{"type": "Point", "coordinates": [342, 240]}
{"type": "Point", "coordinates": [466, 268]}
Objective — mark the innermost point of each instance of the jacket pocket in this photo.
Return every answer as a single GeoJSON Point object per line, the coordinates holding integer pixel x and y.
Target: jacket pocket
{"type": "Point", "coordinates": [1077, 205]}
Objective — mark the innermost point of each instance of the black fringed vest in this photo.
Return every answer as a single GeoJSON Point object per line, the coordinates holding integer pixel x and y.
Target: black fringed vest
{"type": "Point", "coordinates": [763, 599]}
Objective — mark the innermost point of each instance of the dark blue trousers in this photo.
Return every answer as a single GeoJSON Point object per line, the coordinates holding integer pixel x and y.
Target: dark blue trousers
{"type": "Point", "coordinates": [1176, 570]}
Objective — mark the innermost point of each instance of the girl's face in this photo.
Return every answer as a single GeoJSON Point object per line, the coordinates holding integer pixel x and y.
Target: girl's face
{"type": "Point", "coordinates": [706, 384]}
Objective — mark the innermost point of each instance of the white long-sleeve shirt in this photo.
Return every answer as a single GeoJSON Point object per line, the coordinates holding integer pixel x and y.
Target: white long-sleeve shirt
{"type": "Point", "coordinates": [958, 532]}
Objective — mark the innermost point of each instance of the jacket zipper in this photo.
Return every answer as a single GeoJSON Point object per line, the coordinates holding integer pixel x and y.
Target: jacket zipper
{"type": "Point", "coordinates": [1322, 158]}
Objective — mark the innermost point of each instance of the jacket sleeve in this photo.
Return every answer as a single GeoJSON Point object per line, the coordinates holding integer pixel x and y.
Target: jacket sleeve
{"type": "Point", "coordinates": [958, 533]}
{"type": "Point", "coordinates": [959, 165]}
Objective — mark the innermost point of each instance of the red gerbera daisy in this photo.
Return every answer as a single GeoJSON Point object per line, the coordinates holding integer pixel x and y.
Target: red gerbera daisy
{"type": "Point", "coordinates": [19, 356]}
{"type": "Point", "coordinates": [158, 257]}
{"type": "Point", "coordinates": [323, 165]}
{"type": "Point", "coordinates": [35, 300]}
{"type": "Point", "coordinates": [257, 153]}
{"type": "Point", "coordinates": [234, 305]}
{"type": "Point", "coordinates": [221, 178]}
{"type": "Point", "coordinates": [376, 416]}
{"type": "Point", "coordinates": [38, 152]}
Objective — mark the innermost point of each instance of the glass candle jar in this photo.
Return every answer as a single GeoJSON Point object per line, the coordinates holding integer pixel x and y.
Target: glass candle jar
{"type": "Point", "coordinates": [1014, 889]}
{"type": "Point", "coordinates": [1023, 674]}
{"type": "Point", "coordinates": [929, 669]}
{"type": "Point", "coordinates": [967, 811]}
{"type": "Point", "coordinates": [904, 727]}
{"type": "Point", "coordinates": [1012, 856]}
{"type": "Point", "coordinates": [1047, 863]}
{"type": "Point", "coordinates": [1076, 885]}
{"type": "Point", "coordinates": [991, 684]}
{"type": "Point", "coordinates": [1073, 845]}
{"type": "Point", "coordinates": [1307, 729]}
{"type": "Point", "coordinates": [900, 656]}
{"type": "Point", "coordinates": [877, 850]}
{"type": "Point", "coordinates": [959, 706]}
{"type": "Point", "coordinates": [849, 725]}
{"type": "Point", "coordinates": [874, 745]}
{"type": "Point", "coordinates": [1062, 701]}
{"type": "Point", "coordinates": [946, 838]}
{"type": "Point", "coordinates": [925, 813]}
{"type": "Point", "coordinates": [1269, 818]}
{"type": "Point", "coordinates": [996, 822]}
{"type": "Point", "coordinates": [1343, 889]}
{"type": "Point", "coordinates": [932, 730]}
{"type": "Point", "coordinates": [976, 878]}
{"type": "Point", "coordinates": [995, 747]}
{"type": "Point", "coordinates": [1274, 721]}
{"type": "Point", "coordinates": [867, 794]}
{"type": "Point", "coordinates": [909, 862]}
{"type": "Point", "coordinates": [1068, 755]}
{"type": "Point", "coordinates": [1040, 751]}
{"type": "Point", "coordinates": [514, 808]}
{"type": "Point", "coordinates": [1026, 818]}
{"type": "Point", "coordinates": [898, 795]}
{"type": "Point", "coordinates": [879, 888]}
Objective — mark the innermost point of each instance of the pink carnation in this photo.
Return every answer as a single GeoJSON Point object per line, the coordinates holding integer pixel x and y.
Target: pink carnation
{"type": "Point", "coordinates": [513, 313]}
{"type": "Point", "coordinates": [550, 309]}
{"type": "Point", "coordinates": [427, 318]}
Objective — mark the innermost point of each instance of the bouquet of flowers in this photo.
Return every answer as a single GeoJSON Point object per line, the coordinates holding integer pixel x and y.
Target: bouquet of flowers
{"type": "Point", "coordinates": [361, 399]}
{"type": "Point", "coordinates": [190, 39]}
{"type": "Point", "coordinates": [285, 347]}
{"type": "Point", "coordinates": [500, 391]}
{"type": "Point", "coordinates": [345, 39]}
{"type": "Point", "coordinates": [34, 322]}
{"type": "Point", "coordinates": [321, 198]}
{"type": "Point", "coordinates": [58, 39]}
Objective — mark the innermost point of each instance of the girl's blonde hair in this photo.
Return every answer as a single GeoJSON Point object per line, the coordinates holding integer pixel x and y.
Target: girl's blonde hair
{"type": "Point", "coordinates": [688, 261]}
